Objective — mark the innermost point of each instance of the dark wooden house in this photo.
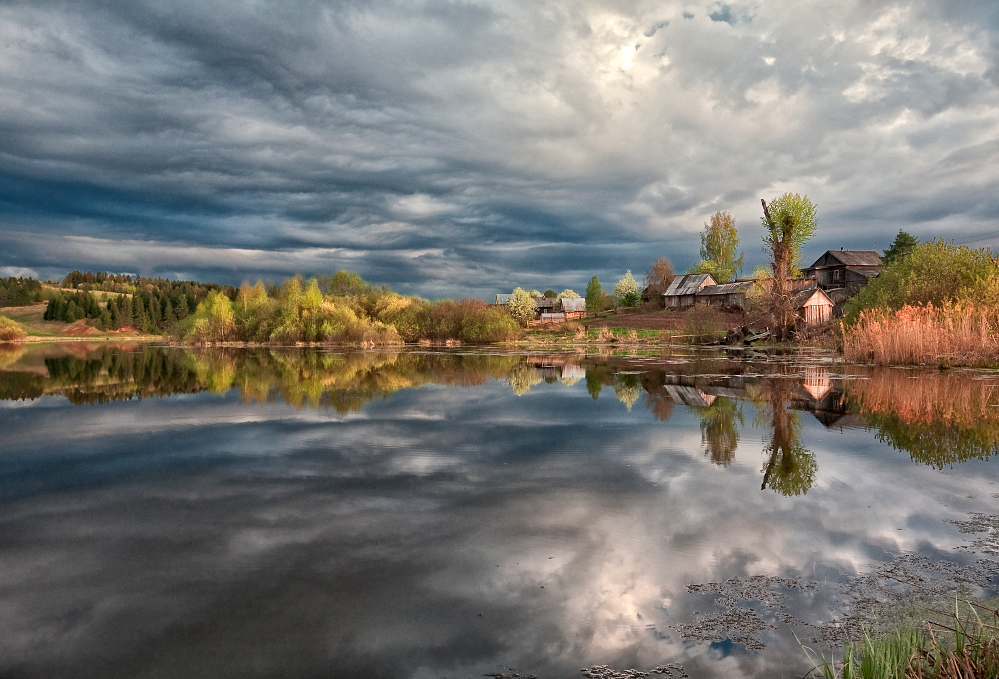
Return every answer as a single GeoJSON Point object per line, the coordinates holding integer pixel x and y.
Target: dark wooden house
{"type": "Point", "coordinates": [844, 268]}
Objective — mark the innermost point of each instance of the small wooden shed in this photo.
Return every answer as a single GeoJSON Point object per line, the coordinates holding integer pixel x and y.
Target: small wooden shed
{"type": "Point", "coordinates": [681, 292]}
{"type": "Point", "coordinates": [574, 307]}
{"type": "Point", "coordinates": [814, 306]}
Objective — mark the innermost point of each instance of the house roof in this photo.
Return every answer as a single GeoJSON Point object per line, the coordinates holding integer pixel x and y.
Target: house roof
{"type": "Point", "coordinates": [726, 288]}
{"type": "Point", "coordinates": [503, 298]}
{"type": "Point", "coordinates": [849, 258]}
{"type": "Point", "coordinates": [867, 271]}
{"type": "Point", "coordinates": [545, 302]}
{"type": "Point", "coordinates": [689, 284]}
{"type": "Point", "coordinates": [573, 304]}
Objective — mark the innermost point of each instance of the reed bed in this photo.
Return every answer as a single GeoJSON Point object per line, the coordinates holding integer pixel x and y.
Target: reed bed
{"type": "Point", "coordinates": [959, 334]}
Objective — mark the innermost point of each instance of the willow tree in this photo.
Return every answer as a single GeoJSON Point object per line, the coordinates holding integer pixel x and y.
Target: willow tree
{"type": "Point", "coordinates": [789, 221]}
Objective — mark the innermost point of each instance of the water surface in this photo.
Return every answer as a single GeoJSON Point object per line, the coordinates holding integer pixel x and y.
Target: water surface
{"type": "Point", "coordinates": [255, 513]}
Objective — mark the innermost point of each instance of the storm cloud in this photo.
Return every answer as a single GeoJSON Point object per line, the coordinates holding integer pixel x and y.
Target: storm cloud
{"type": "Point", "coordinates": [462, 148]}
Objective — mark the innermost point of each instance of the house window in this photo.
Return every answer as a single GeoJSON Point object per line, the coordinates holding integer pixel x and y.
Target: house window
{"type": "Point", "coordinates": [837, 275]}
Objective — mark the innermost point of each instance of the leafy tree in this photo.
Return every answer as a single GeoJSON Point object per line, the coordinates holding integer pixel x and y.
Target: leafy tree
{"type": "Point", "coordinates": [900, 248]}
{"type": "Point", "coordinates": [935, 273]}
{"type": "Point", "coordinates": [719, 242]}
{"type": "Point", "coordinates": [594, 295]}
{"type": "Point", "coordinates": [549, 293]}
{"type": "Point", "coordinates": [568, 293]}
{"type": "Point", "coordinates": [627, 292]}
{"type": "Point", "coordinates": [522, 306]}
{"type": "Point", "coordinates": [660, 274]}
{"type": "Point", "coordinates": [789, 221]}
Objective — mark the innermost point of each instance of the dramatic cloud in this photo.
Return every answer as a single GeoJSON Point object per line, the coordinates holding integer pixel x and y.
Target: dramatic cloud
{"type": "Point", "coordinates": [463, 148]}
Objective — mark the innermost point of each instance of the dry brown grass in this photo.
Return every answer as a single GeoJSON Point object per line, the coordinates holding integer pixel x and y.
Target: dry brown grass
{"type": "Point", "coordinates": [962, 334]}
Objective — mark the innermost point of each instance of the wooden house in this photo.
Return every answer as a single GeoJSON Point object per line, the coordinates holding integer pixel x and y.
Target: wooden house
{"type": "Point", "coordinates": [813, 306]}
{"type": "Point", "coordinates": [574, 307]}
{"type": "Point", "coordinates": [683, 290]}
{"type": "Point", "coordinates": [844, 268]}
{"type": "Point", "coordinates": [546, 305]}
{"type": "Point", "coordinates": [730, 295]}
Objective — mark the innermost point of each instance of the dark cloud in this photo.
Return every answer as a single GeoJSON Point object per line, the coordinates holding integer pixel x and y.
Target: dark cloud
{"type": "Point", "coordinates": [406, 140]}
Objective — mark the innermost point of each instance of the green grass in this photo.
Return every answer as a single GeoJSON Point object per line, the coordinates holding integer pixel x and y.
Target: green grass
{"type": "Point", "coordinates": [957, 645]}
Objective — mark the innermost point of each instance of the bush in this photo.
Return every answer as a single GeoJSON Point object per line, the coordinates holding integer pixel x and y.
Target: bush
{"type": "Point", "coordinates": [10, 330]}
{"type": "Point", "coordinates": [934, 273]}
{"type": "Point", "coordinates": [703, 321]}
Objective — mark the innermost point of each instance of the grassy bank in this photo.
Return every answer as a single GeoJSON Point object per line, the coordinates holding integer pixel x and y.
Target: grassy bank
{"type": "Point", "coordinates": [962, 644]}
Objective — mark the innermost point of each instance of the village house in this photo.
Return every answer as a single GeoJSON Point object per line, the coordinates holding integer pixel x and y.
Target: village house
{"type": "Point", "coordinates": [844, 269]}
{"type": "Point", "coordinates": [502, 299]}
{"type": "Point", "coordinates": [684, 288]}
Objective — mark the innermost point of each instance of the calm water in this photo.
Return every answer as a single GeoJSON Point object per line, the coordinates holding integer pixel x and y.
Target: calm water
{"type": "Point", "coordinates": [166, 513]}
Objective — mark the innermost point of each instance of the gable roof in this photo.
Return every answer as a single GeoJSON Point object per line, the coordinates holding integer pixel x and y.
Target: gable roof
{"type": "Point", "coordinates": [689, 284]}
{"type": "Point", "coordinates": [503, 298]}
{"type": "Point", "coordinates": [848, 258]}
{"type": "Point", "coordinates": [572, 304]}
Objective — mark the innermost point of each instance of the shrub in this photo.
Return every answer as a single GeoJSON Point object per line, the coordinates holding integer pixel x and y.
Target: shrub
{"type": "Point", "coordinates": [703, 321]}
{"type": "Point", "coordinates": [934, 273]}
{"type": "Point", "coordinates": [11, 330]}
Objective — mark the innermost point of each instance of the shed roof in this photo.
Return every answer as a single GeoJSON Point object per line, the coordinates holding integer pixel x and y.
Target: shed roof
{"type": "Point", "coordinates": [573, 304]}
{"type": "Point", "coordinates": [688, 284]}
{"type": "Point", "coordinates": [726, 288]}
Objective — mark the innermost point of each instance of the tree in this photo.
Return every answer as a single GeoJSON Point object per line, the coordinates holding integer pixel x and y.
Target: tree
{"type": "Point", "coordinates": [568, 293]}
{"type": "Point", "coordinates": [594, 295]}
{"type": "Point", "coordinates": [522, 306]}
{"type": "Point", "coordinates": [549, 293]}
{"type": "Point", "coordinates": [719, 242]}
{"type": "Point", "coordinates": [626, 292]}
{"type": "Point", "coordinates": [789, 221]}
{"type": "Point", "coordinates": [900, 248]}
{"type": "Point", "coordinates": [935, 273]}
{"type": "Point", "coordinates": [660, 274]}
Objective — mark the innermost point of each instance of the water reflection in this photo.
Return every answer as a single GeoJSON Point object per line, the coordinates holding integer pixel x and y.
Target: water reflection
{"type": "Point", "coordinates": [938, 418]}
{"type": "Point", "coordinates": [508, 520]}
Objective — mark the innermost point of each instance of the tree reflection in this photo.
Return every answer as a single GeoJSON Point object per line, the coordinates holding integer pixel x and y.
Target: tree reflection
{"type": "Point", "coordinates": [720, 429]}
{"type": "Point", "coordinates": [789, 468]}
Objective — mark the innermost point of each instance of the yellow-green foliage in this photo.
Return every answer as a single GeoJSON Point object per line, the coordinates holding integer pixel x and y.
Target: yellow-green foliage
{"type": "Point", "coordinates": [10, 330]}
{"type": "Point", "coordinates": [933, 273]}
{"type": "Point", "coordinates": [351, 313]}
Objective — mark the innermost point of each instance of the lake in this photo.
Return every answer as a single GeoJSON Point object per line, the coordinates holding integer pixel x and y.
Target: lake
{"type": "Point", "coordinates": [167, 512]}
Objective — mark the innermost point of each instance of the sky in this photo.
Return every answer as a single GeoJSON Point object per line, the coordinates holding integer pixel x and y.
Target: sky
{"type": "Point", "coordinates": [465, 148]}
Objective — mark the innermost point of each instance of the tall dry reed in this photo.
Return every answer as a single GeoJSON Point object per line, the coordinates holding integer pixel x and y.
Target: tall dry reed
{"type": "Point", "coordinates": [960, 334]}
